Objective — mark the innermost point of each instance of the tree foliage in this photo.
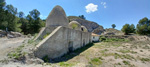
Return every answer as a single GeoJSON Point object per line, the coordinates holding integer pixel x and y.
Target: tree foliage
{"type": "Point", "coordinates": [14, 21]}
{"type": "Point", "coordinates": [143, 26]}
{"type": "Point", "coordinates": [113, 25]}
{"type": "Point", "coordinates": [82, 17]}
{"type": "Point", "coordinates": [2, 4]}
{"type": "Point", "coordinates": [127, 28]}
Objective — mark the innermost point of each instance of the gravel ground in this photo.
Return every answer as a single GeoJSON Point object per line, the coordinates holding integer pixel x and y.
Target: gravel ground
{"type": "Point", "coordinates": [7, 45]}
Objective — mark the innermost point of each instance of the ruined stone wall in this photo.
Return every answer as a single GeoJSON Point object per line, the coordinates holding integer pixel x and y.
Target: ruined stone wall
{"type": "Point", "coordinates": [44, 31]}
{"type": "Point", "coordinates": [61, 41]}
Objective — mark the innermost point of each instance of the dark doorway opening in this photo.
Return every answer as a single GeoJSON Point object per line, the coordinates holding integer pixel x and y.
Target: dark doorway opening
{"type": "Point", "coordinates": [83, 42]}
{"type": "Point", "coordinates": [82, 29]}
{"type": "Point", "coordinates": [70, 46]}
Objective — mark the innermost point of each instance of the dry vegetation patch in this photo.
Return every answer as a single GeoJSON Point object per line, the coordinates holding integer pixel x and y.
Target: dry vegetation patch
{"type": "Point", "coordinates": [113, 54]}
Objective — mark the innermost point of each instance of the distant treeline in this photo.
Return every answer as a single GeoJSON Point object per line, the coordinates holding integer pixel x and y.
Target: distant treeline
{"type": "Point", "coordinates": [142, 28]}
{"type": "Point", "coordinates": [12, 20]}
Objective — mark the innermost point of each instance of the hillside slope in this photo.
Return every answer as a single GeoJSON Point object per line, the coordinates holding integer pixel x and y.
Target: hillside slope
{"type": "Point", "coordinates": [111, 31]}
{"type": "Point", "coordinates": [91, 26]}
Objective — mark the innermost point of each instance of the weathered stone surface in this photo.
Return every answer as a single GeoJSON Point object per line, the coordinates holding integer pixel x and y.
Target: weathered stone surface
{"type": "Point", "coordinates": [2, 33]}
{"type": "Point", "coordinates": [10, 34]}
{"type": "Point", "coordinates": [45, 31]}
{"type": "Point", "coordinates": [84, 29]}
{"type": "Point", "coordinates": [74, 25]}
{"type": "Point", "coordinates": [98, 30]}
{"type": "Point", "coordinates": [60, 39]}
{"type": "Point", "coordinates": [57, 17]}
{"type": "Point", "coordinates": [90, 25]}
{"type": "Point", "coordinates": [112, 31]}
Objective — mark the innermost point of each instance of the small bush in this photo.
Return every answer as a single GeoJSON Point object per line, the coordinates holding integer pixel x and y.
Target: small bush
{"type": "Point", "coordinates": [46, 59]}
{"type": "Point", "coordinates": [102, 38]}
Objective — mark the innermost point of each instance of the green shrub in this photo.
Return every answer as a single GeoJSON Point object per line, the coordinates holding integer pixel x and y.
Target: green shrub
{"type": "Point", "coordinates": [143, 26]}
{"type": "Point", "coordinates": [102, 38]}
{"type": "Point", "coordinates": [46, 59]}
{"type": "Point", "coordinates": [127, 28]}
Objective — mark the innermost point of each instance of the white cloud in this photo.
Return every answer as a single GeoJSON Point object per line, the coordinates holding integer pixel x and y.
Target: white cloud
{"type": "Point", "coordinates": [43, 17]}
{"type": "Point", "coordinates": [104, 4]}
{"type": "Point", "coordinates": [91, 8]}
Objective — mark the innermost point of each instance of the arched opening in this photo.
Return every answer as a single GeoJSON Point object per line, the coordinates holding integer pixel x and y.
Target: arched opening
{"type": "Point", "coordinates": [82, 29]}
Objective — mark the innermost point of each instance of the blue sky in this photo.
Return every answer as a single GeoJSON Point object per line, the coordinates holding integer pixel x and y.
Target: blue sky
{"type": "Point", "coordinates": [104, 12]}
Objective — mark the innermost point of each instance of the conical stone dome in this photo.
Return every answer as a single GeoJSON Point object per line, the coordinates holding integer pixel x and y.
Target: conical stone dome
{"type": "Point", "coordinates": [57, 17]}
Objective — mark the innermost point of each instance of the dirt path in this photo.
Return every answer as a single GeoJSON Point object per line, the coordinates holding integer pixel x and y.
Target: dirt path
{"type": "Point", "coordinates": [7, 45]}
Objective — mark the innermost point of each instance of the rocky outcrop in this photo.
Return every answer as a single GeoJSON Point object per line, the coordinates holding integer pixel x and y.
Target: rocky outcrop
{"type": "Point", "coordinates": [98, 30]}
{"type": "Point", "coordinates": [2, 33]}
{"type": "Point", "coordinates": [10, 34]}
{"type": "Point", "coordinates": [91, 26]}
{"type": "Point", "coordinates": [112, 31]}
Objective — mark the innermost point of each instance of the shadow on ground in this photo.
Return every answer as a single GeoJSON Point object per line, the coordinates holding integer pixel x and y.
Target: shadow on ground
{"type": "Point", "coordinates": [71, 54]}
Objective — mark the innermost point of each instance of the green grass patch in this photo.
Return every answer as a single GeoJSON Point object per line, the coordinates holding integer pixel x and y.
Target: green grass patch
{"type": "Point", "coordinates": [17, 54]}
{"type": "Point", "coordinates": [103, 51]}
{"type": "Point", "coordinates": [95, 61]}
{"type": "Point", "coordinates": [107, 54]}
{"type": "Point", "coordinates": [126, 62]}
{"type": "Point", "coordinates": [104, 39]}
{"type": "Point", "coordinates": [124, 51]}
{"type": "Point", "coordinates": [46, 59]}
{"type": "Point", "coordinates": [145, 59]}
{"type": "Point", "coordinates": [127, 51]}
{"type": "Point", "coordinates": [65, 64]}
{"type": "Point", "coordinates": [30, 41]}
{"type": "Point", "coordinates": [127, 56]}
{"type": "Point", "coordinates": [116, 56]}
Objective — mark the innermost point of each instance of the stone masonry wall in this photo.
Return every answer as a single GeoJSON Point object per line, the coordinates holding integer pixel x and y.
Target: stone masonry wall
{"type": "Point", "coordinates": [61, 41]}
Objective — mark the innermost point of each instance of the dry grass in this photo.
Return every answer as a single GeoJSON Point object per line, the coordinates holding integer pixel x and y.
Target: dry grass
{"type": "Point", "coordinates": [106, 54]}
{"type": "Point", "coordinates": [111, 54]}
